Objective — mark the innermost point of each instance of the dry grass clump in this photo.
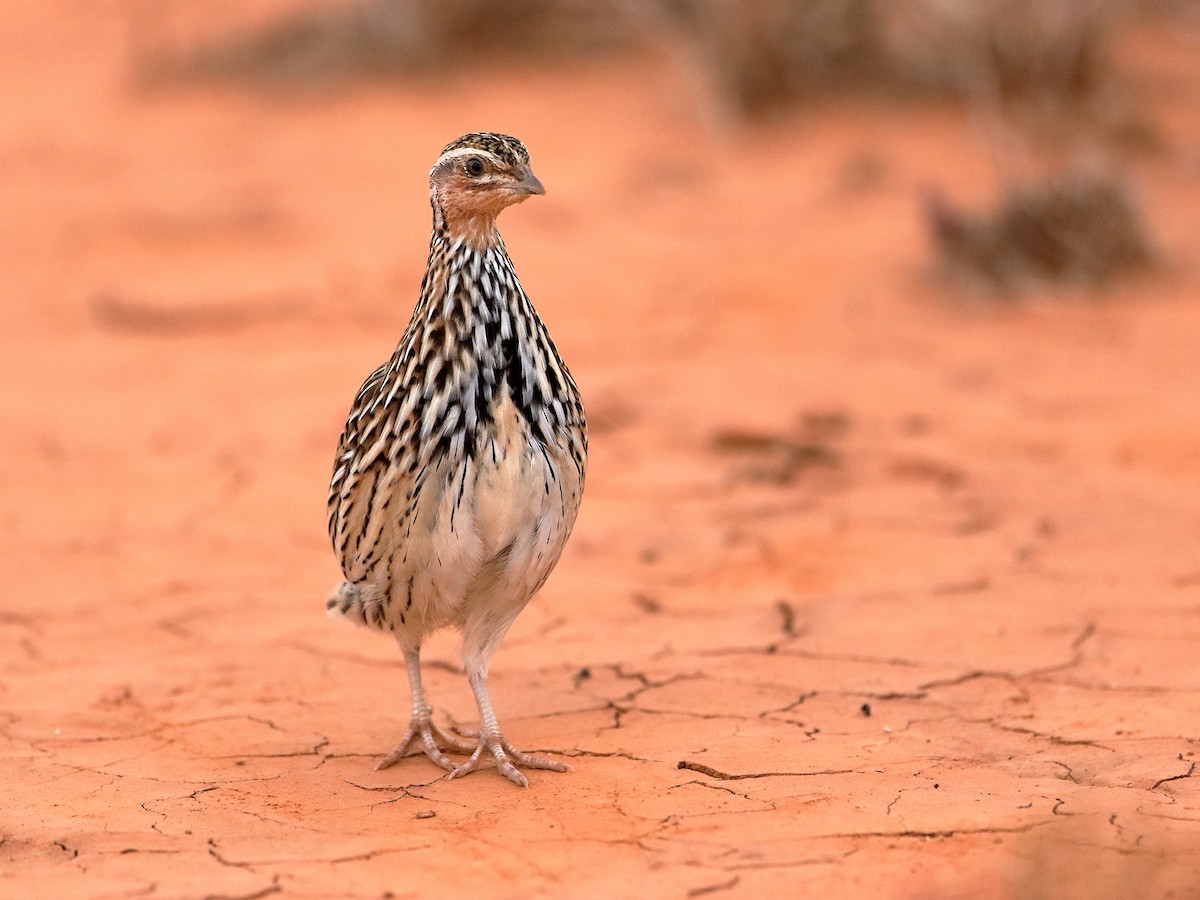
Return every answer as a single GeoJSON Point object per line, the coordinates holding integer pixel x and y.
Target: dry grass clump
{"type": "Point", "coordinates": [781, 459]}
{"type": "Point", "coordinates": [330, 44]}
{"type": "Point", "coordinates": [765, 53]}
{"type": "Point", "coordinates": [757, 54]}
{"type": "Point", "coordinates": [1057, 49]}
{"type": "Point", "coordinates": [1081, 227]}
{"type": "Point", "coordinates": [761, 54]}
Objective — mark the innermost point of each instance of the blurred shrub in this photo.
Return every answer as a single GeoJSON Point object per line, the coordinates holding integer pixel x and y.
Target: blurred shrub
{"type": "Point", "coordinates": [1079, 227]}
{"type": "Point", "coordinates": [758, 53]}
{"type": "Point", "coordinates": [764, 53]}
{"type": "Point", "coordinates": [781, 459]}
{"type": "Point", "coordinates": [1025, 48]}
{"type": "Point", "coordinates": [317, 46]}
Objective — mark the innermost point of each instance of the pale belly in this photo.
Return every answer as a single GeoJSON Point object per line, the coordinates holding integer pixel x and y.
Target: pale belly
{"type": "Point", "coordinates": [488, 535]}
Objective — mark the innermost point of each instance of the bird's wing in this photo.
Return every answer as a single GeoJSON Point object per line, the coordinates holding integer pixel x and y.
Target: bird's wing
{"type": "Point", "coordinates": [358, 469]}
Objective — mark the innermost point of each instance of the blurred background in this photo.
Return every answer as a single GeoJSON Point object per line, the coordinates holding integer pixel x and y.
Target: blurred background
{"type": "Point", "coordinates": [1015, 139]}
{"type": "Point", "coordinates": [754, 206]}
{"type": "Point", "coordinates": [885, 315]}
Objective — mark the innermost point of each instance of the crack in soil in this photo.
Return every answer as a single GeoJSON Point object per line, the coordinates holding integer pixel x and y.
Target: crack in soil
{"type": "Point", "coordinates": [728, 790]}
{"type": "Point", "coordinates": [1188, 774]}
{"type": "Point", "coordinates": [253, 865]}
{"type": "Point", "coordinates": [1076, 646]}
{"type": "Point", "coordinates": [597, 754]}
{"type": "Point", "coordinates": [711, 787]}
{"type": "Point", "coordinates": [1151, 814]}
{"type": "Point", "coordinates": [1069, 774]}
{"type": "Point", "coordinates": [153, 731]}
{"type": "Point", "coordinates": [315, 750]}
{"type": "Point", "coordinates": [787, 613]}
{"type": "Point", "coordinates": [799, 701]}
{"type": "Point", "coordinates": [726, 776]}
{"type": "Point", "coordinates": [888, 695]}
{"type": "Point", "coordinates": [776, 650]}
{"type": "Point", "coordinates": [403, 789]}
{"type": "Point", "coordinates": [646, 683]}
{"type": "Point", "coordinates": [373, 854]}
{"type": "Point", "coordinates": [1045, 735]}
{"type": "Point", "coordinates": [967, 586]}
{"type": "Point", "coordinates": [273, 888]}
{"type": "Point", "coordinates": [1150, 689]}
{"type": "Point", "coordinates": [715, 888]}
{"type": "Point", "coordinates": [794, 864]}
{"type": "Point", "coordinates": [688, 714]}
{"type": "Point", "coordinates": [933, 835]}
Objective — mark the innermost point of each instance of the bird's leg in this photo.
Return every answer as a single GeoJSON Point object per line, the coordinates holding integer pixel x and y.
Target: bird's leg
{"type": "Point", "coordinates": [421, 724]}
{"type": "Point", "coordinates": [492, 742]}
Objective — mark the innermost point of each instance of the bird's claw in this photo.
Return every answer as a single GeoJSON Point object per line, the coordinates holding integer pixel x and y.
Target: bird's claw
{"type": "Point", "coordinates": [507, 758]}
{"type": "Point", "coordinates": [432, 739]}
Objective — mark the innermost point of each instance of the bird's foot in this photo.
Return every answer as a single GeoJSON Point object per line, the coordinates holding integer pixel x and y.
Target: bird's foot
{"type": "Point", "coordinates": [431, 740]}
{"type": "Point", "coordinates": [507, 758]}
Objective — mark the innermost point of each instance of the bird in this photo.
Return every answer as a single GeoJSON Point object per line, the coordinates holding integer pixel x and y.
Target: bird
{"type": "Point", "coordinates": [460, 471]}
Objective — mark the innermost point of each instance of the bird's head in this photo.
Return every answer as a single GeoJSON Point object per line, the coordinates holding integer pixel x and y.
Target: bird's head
{"type": "Point", "coordinates": [476, 177]}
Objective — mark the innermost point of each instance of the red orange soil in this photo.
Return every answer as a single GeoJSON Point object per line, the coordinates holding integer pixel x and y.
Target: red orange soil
{"type": "Point", "coordinates": [821, 485]}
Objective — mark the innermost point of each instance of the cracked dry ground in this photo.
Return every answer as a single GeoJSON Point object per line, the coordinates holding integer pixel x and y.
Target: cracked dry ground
{"type": "Point", "coordinates": [872, 594]}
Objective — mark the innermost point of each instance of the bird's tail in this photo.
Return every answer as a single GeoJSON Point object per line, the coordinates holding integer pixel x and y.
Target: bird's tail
{"type": "Point", "coordinates": [360, 603]}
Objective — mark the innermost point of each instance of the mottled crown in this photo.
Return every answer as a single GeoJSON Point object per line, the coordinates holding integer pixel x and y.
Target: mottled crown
{"type": "Point", "coordinates": [504, 147]}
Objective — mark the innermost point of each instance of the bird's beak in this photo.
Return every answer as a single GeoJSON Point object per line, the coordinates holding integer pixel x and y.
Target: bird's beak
{"type": "Point", "coordinates": [528, 183]}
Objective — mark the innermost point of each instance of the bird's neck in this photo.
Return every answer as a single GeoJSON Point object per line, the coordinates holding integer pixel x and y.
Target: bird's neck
{"type": "Point", "coordinates": [469, 278]}
{"type": "Point", "coordinates": [464, 226]}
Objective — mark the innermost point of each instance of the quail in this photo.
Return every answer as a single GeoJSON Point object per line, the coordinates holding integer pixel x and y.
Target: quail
{"type": "Point", "coordinates": [461, 467]}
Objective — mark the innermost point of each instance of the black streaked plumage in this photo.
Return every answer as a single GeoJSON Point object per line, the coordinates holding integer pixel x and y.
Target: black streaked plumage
{"type": "Point", "coordinates": [461, 467]}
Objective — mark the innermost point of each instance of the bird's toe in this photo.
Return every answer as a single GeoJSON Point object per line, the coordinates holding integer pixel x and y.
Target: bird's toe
{"type": "Point", "coordinates": [431, 740]}
{"type": "Point", "coordinates": [507, 759]}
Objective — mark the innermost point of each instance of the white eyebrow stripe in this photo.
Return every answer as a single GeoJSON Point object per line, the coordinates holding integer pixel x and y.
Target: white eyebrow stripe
{"type": "Point", "coordinates": [469, 151]}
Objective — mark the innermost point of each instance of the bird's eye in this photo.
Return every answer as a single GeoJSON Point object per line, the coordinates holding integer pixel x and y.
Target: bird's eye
{"type": "Point", "coordinates": [474, 166]}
